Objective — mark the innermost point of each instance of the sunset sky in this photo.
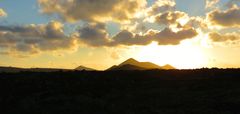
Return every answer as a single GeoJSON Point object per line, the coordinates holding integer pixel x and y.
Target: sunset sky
{"type": "Point", "coordinates": [101, 33]}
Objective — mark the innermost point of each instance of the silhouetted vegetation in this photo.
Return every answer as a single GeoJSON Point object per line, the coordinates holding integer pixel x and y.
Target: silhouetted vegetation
{"type": "Point", "coordinates": [203, 91]}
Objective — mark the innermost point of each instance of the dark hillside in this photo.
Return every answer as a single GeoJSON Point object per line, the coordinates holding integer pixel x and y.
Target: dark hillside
{"type": "Point", "coordinates": [205, 91]}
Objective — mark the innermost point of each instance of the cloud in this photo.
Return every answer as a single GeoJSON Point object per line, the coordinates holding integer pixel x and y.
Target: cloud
{"type": "Point", "coordinates": [169, 18]}
{"type": "Point", "coordinates": [161, 6]}
{"type": "Point", "coordinates": [126, 37]}
{"type": "Point", "coordinates": [164, 37]}
{"type": "Point", "coordinates": [211, 3]}
{"type": "Point", "coordinates": [228, 18]}
{"type": "Point", "coordinates": [232, 3]}
{"type": "Point", "coordinates": [33, 39]}
{"type": "Point", "coordinates": [216, 37]}
{"type": "Point", "coordinates": [168, 37]}
{"type": "Point", "coordinates": [194, 22]}
{"type": "Point", "coordinates": [179, 20]}
{"type": "Point", "coordinates": [93, 35]}
{"type": "Point", "coordinates": [2, 13]}
{"type": "Point", "coordinates": [93, 10]}
{"type": "Point", "coordinates": [164, 13]}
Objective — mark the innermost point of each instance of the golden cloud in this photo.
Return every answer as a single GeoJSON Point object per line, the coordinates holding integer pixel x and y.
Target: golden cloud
{"type": "Point", "coordinates": [211, 3]}
{"type": "Point", "coordinates": [169, 18]}
{"type": "Point", "coordinates": [94, 10]}
{"type": "Point", "coordinates": [161, 6]}
{"type": "Point", "coordinates": [216, 37]}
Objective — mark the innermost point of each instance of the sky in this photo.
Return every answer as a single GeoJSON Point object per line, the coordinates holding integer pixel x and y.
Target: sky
{"type": "Point", "coordinates": [186, 34]}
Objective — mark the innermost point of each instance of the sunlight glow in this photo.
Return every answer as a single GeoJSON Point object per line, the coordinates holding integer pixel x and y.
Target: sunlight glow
{"type": "Point", "coordinates": [183, 56]}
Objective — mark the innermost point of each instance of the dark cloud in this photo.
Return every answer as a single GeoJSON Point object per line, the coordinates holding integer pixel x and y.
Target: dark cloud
{"type": "Point", "coordinates": [128, 38]}
{"type": "Point", "coordinates": [93, 10]}
{"type": "Point", "coordinates": [52, 30]}
{"type": "Point", "coordinates": [168, 37]}
{"type": "Point", "coordinates": [164, 37]}
{"type": "Point", "coordinates": [35, 38]}
{"type": "Point", "coordinates": [94, 34]}
{"type": "Point", "coordinates": [97, 36]}
{"type": "Point", "coordinates": [228, 18]}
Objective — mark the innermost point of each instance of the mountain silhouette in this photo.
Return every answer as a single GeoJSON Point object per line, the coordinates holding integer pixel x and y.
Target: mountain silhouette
{"type": "Point", "coordinates": [84, 68]}
{"type": "Point", "coordinates": [126, 67]}
{"type": "Point", "coordinates": [129, 61]}
{"type": "Point", "coordinates": [132, 64]}
{"type": "Point", "coordinates": [167, 66]}
{"type": "Point", "coordinates": [129, 64]}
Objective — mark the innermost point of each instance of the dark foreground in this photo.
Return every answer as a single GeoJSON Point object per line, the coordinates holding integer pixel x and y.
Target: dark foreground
{"type": "Point", "coordinates": [121, 92]}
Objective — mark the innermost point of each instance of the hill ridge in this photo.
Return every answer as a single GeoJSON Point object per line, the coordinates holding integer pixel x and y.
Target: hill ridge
{"type": "Point", "coordinates": [81, 67]}
{"type": "Point", "coordinates": [138, 65]}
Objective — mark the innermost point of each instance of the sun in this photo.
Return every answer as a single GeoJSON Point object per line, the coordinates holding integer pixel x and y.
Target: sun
{"type": "Point", "coordinates": [183, 56]}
